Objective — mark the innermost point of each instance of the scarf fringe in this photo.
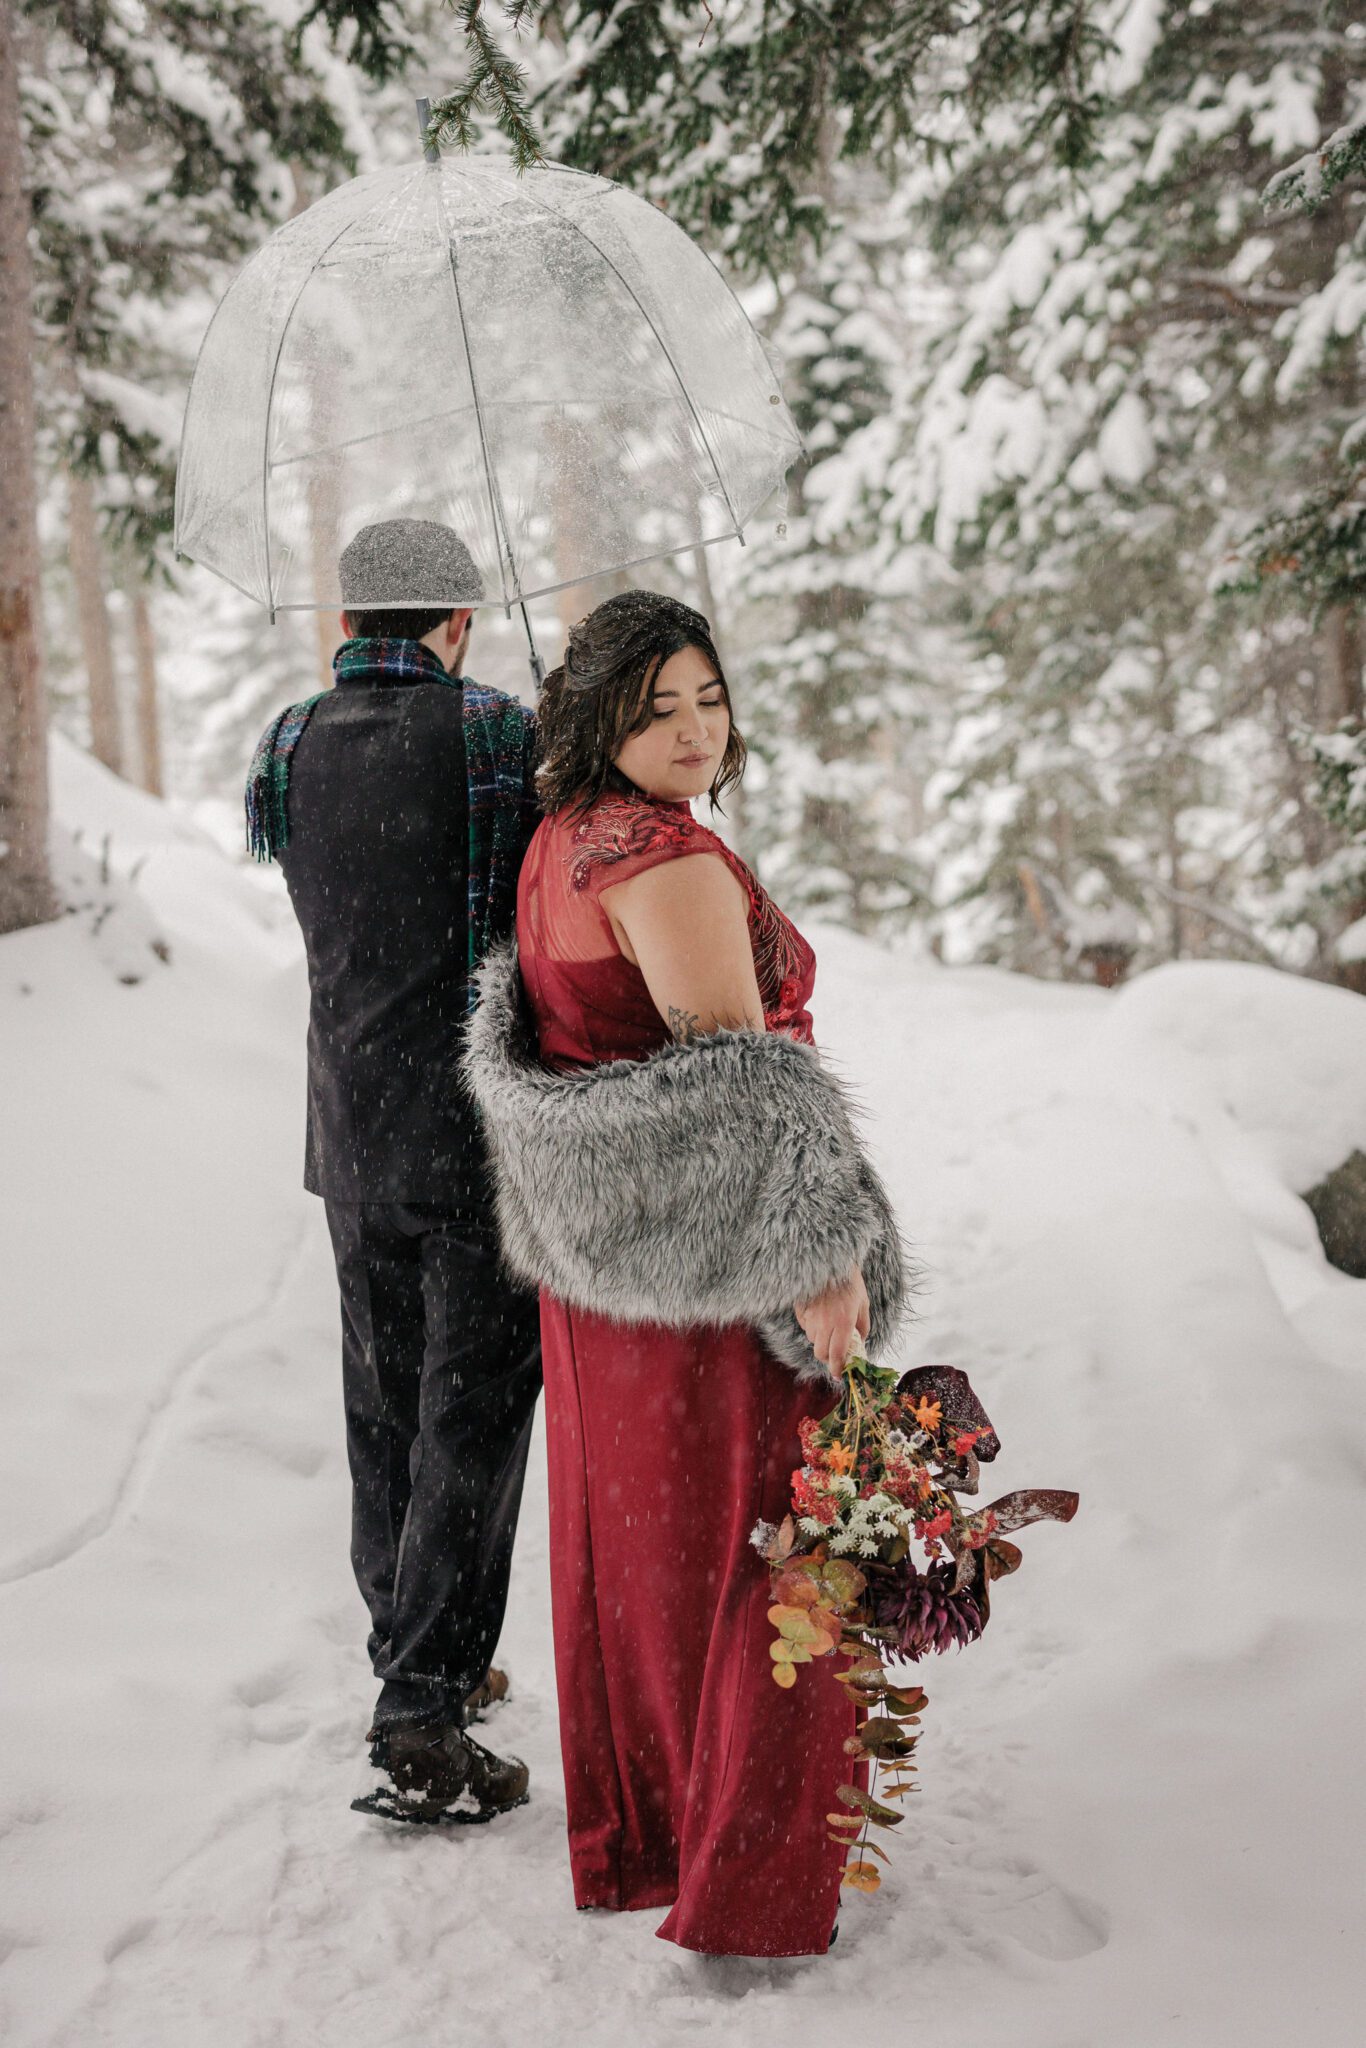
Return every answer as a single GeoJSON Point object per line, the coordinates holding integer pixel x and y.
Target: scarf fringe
{"type": "Point", "coordinates": [267, 801]}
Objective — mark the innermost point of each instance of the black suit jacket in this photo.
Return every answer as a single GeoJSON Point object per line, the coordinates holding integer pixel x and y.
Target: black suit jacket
{"type": "Point", "coordinates": [376, 866]}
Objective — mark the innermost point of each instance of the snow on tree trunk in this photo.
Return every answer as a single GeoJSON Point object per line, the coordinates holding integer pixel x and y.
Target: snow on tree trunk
{"type": "Point", "coordinates": [92, 609]}
{"type": "Point", "coordinates": [26, 893]}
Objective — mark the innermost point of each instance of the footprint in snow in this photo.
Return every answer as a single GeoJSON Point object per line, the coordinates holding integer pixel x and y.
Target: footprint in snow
{"type": "Point", "coordinates": [301, 1455]}
{"type": "Point", "coordinates": [127, 1937]}
{"type": "Point", "coordinates": [12, 1939]}
{"type": "Point", "coordinates": [261, 1697]}
{"type": "Point", "coordinates": [1050, 1921]}
{"type": "Point", "coordinates": [265, 1686]}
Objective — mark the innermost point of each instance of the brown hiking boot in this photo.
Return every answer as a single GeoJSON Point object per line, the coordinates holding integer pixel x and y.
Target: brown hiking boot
{"type": "Point", "coordinates": [490, 1692]}
{"type": "Point", "coordinates": [440, 1775]}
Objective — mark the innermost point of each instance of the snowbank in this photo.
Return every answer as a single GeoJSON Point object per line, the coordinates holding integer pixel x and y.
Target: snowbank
{"type": "Point", "coordinates": [1134, 1824]}
{"type": "Point", "coordinates": [147, 1100]}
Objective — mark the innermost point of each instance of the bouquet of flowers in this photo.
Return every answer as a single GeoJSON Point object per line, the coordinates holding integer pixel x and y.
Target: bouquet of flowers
{"type": "Point", "coordinates": [882, 1473]}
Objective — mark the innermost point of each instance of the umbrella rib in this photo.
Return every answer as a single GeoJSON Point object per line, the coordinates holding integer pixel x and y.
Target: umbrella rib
{"type": "Point", "coordinates": [270, 400]}
{"type": "Point", "coordinates": [184, 423]}
{"type": "Point", "coordinates": [428, 419]}
{"type": "Point", "coordinates": [495, 508]}
{"type": "Point", "coordinates": [684, 547]}
{"type": "Point", "coordinates": [573, 226]}
{"type": "Point", "coordinates": [491, 405]}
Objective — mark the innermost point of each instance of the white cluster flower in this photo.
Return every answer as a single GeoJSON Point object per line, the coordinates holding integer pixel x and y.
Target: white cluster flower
{"type": "Point", "coordinates": [867, 1525]}
{"type": "Point", "coordinates": [890, 1508]}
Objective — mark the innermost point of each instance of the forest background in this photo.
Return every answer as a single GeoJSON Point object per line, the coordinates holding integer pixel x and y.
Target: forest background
{"type": "Point", "coordinates": [1051, 656]}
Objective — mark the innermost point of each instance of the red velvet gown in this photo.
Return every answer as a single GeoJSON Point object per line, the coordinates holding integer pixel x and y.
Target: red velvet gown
{"type": "Point", "coordinates": [692, 1780]}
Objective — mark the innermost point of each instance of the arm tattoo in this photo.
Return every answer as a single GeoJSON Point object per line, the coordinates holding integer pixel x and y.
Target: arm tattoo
{"type": "Point", "coordinates": [683, 1025]}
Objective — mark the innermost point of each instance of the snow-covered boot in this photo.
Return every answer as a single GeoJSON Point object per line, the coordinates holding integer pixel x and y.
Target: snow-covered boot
{"type": "Point", "coordinates": [490, 1692]}
{"type": "Point", "coordinates": [438, 1775]}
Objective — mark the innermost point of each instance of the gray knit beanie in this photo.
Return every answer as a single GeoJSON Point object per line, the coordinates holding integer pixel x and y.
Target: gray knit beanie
{"type": "Point", "coordinates": [408, 562]}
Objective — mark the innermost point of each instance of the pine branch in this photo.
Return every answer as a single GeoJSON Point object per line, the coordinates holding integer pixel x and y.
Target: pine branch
{"type": "Point", "coordinates": [1304, 186]}
{"type": "Point", "coordinates": [496, 84]}
{"type": "Point", "coordinates": [1242, 297]}
{"type": "Point", "coordinates": [1320, 544]}
{"type": "Point", "coordinates": [1043, 54]}
{"type": "Point", "coordinates": [1190, 899]}
{"type": "Point", "coordinates": [1339, 763]}
{"type": "Point", "coordinates": [381, 47]}
{"type": "Point", "coordinates": [249, 57]}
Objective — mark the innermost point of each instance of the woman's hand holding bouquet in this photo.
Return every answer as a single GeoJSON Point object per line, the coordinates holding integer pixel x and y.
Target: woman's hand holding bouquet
{"type": "Point", "coordinates": [836, 1322]}
{"type": "Point", "coordinates": [882, 1472]}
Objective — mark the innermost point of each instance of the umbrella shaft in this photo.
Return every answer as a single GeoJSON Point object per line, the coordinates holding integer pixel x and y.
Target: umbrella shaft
{"type": "Point", "coordinates": [537, 665]}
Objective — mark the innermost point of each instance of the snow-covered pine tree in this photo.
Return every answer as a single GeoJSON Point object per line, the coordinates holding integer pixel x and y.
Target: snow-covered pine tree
{"type": "Point", "coordinates": [750, 127]}
{"type": "Point", "coordinates": [832, 679]}
{"type": "Point", "coordinates": [1319, 543]}
{"type": "Point", "coordinates": [162, 142]}
{"type": "Point", "coordinates": [1317, 546]}
{"type": "Point", "coordinates": [1137, 366]}
{"type": "Point", "coordinates": [775, 134]}
{"type": "Point", "coordinates": [723, 113]}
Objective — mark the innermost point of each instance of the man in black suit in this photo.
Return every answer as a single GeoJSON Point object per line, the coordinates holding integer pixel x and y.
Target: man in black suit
{"type": "Point", "coordinates": [440, 1353]}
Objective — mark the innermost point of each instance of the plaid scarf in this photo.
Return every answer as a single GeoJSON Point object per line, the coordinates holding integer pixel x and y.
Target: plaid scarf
{"type": "Point", "coordinates": [500, 737]}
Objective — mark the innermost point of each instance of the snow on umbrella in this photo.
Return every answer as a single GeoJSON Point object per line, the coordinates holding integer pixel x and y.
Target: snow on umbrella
{"type": "Point", "coordinates": [540, 360]}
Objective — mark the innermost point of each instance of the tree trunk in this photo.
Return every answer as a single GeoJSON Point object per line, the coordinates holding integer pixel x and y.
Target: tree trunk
{"type": "Point", "coordinates": [92, 608]}
{"type": "Point", "coordinates": [1338, 682]}
{"type": "Point", "coordinates": [26, 892]}
{"type": "Point", "coordinates": [1170, 805]}
{"type": "Point", "coordinates": [148, 714]}
{"type": "Point", "coordinates": [1338, 696]}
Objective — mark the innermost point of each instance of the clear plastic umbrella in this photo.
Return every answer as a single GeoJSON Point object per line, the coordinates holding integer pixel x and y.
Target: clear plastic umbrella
{"type": "Point", "coordinates": [540, 360]}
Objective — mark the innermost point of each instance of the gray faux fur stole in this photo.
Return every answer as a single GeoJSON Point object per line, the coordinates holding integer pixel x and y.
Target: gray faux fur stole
{"type": "Point", "coordinates": [714, 1182]}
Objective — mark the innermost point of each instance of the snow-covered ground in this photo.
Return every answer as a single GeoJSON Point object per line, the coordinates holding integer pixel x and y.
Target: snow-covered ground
{"type": "Point", "coordinates": [1140, 1819]}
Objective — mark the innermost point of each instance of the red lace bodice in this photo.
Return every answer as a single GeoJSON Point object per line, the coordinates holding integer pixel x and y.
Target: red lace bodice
{"type": "Point", "coordinates": [590, 1002]}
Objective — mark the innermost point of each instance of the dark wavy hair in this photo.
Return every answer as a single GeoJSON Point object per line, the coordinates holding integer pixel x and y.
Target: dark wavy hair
{"type": "Point", "coordinates": [601, 695]}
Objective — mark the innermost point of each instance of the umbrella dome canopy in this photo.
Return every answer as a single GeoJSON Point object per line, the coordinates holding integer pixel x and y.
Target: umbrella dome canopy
{"type": "Point", "coordinates": [540, 360]}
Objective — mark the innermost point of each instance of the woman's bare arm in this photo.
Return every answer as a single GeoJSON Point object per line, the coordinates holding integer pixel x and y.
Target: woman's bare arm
{"type": "Point", "coordinates": [685, 925]}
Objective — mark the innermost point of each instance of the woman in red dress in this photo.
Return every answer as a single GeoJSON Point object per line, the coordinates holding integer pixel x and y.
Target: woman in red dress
{"type": "Point", "coordinates": [692, 1781]}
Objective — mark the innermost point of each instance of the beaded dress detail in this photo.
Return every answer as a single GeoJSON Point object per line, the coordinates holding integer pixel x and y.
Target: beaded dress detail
{"type": "Point", "coordinates": [571, 962]}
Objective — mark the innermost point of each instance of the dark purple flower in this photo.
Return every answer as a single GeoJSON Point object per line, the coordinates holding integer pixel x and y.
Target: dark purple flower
{"type": "Point", "coordinates": [924, 1610]}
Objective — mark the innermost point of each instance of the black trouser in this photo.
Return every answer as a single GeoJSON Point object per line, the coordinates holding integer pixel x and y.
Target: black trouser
{"type": "Point", "coordinates": [441, 1367]}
